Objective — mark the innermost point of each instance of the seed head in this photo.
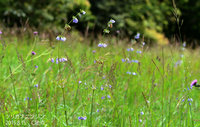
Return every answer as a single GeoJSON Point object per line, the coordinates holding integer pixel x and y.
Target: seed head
{"type": "Point", "coordinates": [194, 83]}
{"type": "Point", "coordinates": [33, 53]}
{"type": "Point", "coordinates": [35, 32]}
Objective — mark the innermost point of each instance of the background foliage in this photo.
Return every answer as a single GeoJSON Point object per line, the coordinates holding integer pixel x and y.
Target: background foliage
{"type": "Point", "coordinates": [154, 19]}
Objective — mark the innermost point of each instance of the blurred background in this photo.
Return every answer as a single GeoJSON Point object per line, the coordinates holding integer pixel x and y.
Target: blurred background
{"type": "Point", "coordinates": [157, 20]}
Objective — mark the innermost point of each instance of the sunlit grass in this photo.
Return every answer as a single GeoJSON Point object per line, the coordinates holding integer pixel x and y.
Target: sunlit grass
{"type": "Point", "coordinates": [106, 95]}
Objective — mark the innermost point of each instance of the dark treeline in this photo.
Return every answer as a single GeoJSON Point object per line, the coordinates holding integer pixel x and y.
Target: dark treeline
{"type": "Point", "coordinates": [155, 19]}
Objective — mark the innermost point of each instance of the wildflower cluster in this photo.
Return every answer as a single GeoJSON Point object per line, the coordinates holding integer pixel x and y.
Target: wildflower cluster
{"type": "Point", "coordinates": [141, 114]}
{"type": "Point", "coordinates": [67, 25]}
{"type": "Point", "coordinates": [102, 45]}
{"type": "Point", "coordinates": [131, 49]}
{"type": "Point", "coordinates": [130, 61]}
{"type": "Point", "coordinates": [109, 25]}
{"type": "Point", "coordinates": [28, 99]}
{"type": "Point", "coordinates": [103, 97]}
{"type": "Point", "coordinates": [190, 100]}
{"type": "Point", "coordinates": [139, 52]}
{"type": "Point", "coordinates": [61, 38]}
{"type": "Point", "coordinates": [57, 60]}
{"type": "Point", "coordinates": [133, 73]}
{"type": "Point", "coordinates": [106, 31]}
{"type": "Point", "coordinates": [82, 118]}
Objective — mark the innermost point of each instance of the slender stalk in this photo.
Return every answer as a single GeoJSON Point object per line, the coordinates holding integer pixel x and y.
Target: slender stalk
{"type": "Point", "coordinates": [63, 89]}
{"type": "Point", "coordinates": [91, 108]}
{"type": "Point", "coordinates": [191, 116]}
{"type": "Point", "coordinates": [13, 85]}
{"type": "Point", "coordinates": [163, 85]}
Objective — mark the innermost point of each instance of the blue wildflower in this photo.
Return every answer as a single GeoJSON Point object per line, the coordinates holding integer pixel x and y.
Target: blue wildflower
{"type": "Point", "coordinates": [75, 20]}
{"type": "Point", "coordinates": [137, 36]}
{"type": "Point", "coordinates": [57, 61]}
{"type": "Point", "coordinates": [52, 60]}
{"type": "Point", "coordinates": [97, 110]}
{"type": "Point", "coordinates": [123, 60]}
{"type": "Point", "coordinates": [112, 21]}
{"type": "Point", "coordinates": [103, 45]}
{"type": "Point", "coordinates": [59, 38]}
{"type": "Point", "coordinates": [139, 52]}
{"type": "Point", "coordinates": [64, 60]}
{"type": "Point", "coordinates": [134, 73]}
{"type": "Point", "coordinates": [79, 15]}
{"type": "Point", "coordinates": [36, 66]}
{"type": "Point", "coordinates": [110, 86]}
{"type": "Point", "coordinates": [109, 96]}
{"type": "Point", "coordinates": [79, 82]}
{"type": "Point", "coordinates": [83, 12]}
{"type": "Point", "coordinates": [131, 49]}
{"type": "Point", "coordinates": [28, 98]}
{"type": "Point", "coordinates": [135, 61]}
{"type": "Point", "coordinates": [82, 118]}
{"type": "Point", "coordinates": [103, 97]}
{"type": "Point", "coordinates": [140, 120]}
{"type": "Point", "coordinates": [102, 88]}
{"type": "Point", "coordinates": [63, 38]}
{"type": "Point", "coordinates": [36, 85]}
{"type": "Point", "coordinates": [93, 51]}
{"type": "Point", "coordinates": [190, 99]}
{"type": "Point", "coordinates": [60, 60]}
{"type": "Point", "coordinates": [184, 44]}
{"type": "Point", "coordinates": [128, 72]}
{"type": "Point", "coordinates": [142, 113]}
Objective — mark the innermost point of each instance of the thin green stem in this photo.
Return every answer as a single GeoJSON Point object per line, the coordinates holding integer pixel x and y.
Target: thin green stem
{"type": "Point", "coordinates": [66, 120]}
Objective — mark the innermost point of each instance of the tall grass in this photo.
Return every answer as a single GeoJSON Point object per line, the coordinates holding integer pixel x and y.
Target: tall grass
{"type": "Point", "coordinates": [96, 86]}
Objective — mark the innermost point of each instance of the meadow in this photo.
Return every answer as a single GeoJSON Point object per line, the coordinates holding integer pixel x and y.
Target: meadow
{"type": "Point", "coordinates": [66, 81]}
{"type": "Point", "coordinates": [118, 85]}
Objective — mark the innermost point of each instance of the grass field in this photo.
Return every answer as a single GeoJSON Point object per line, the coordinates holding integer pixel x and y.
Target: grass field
{"type": "Point", "coordinates": [96, 86]}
